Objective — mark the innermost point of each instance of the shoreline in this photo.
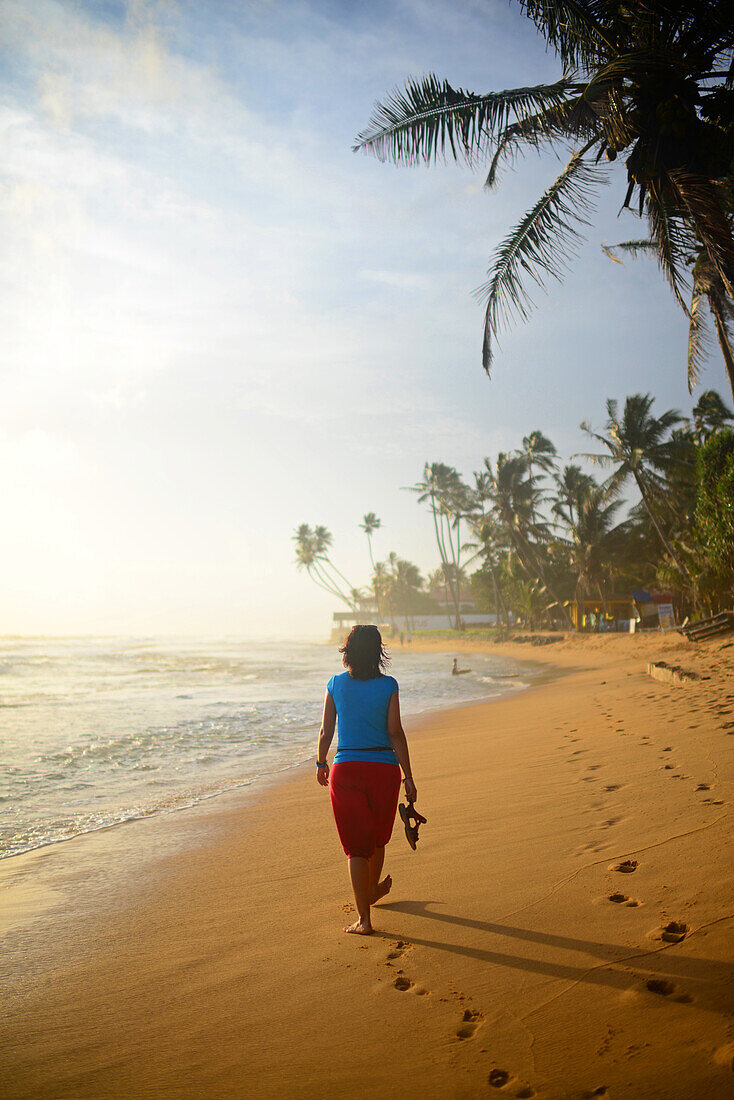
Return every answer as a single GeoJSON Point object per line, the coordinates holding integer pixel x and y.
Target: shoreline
{"type": "Point", "coordinates": [265, 779]}
{"type": "Point", "coordinates": [33, 903]}
{"type": "Point", "coordinates": [227, 973]}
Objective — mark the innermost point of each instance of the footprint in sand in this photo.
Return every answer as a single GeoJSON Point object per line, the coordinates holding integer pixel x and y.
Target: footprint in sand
{"type": "Point", "coordinates": [602, 1090]}
{"type": "Point", "coordinates": [402, 983]}
{"type": "Point", "coordinates": [675, 931]}
{"type": "Point", "coordinates": [398, 949]}
{"type": "Point", "coordinates": [498, 1078]}
{"type": "Point", "coordinates": [626, 867]}
{"type": "Point", "coordinates": [624, 899]}
{"type": "Point", "coordinates": [664, 988]}
{"type": "Point", "coordinates": [470, 1022]}
{"type": "Point", "coordinates": [703, 787]}
{"type": "Point", "coordinates": [525, 1092]}
{"type": "Point", "coordinates": [613, 787]}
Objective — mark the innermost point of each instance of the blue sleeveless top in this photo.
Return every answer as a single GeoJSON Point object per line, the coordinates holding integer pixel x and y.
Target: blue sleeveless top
{"type": "Point", "coordinates": [361, 711]}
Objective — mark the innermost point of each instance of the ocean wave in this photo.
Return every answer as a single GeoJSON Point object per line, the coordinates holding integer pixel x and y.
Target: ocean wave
{"type": "Point", "coordinates": [90, 741]}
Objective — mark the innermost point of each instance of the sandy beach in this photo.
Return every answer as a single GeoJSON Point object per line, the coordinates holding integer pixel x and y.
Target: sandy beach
{"type": "Point", "coordinates": [520, 952]}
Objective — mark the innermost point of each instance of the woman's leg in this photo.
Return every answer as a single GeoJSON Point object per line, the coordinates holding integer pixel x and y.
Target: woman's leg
{"type": "Point", "coordinates": [359, 873]}
{"type": "Point", "coordinates": [384, 794]}
{"type": "Point", "coordinates": [356, 832]}
{"type": "Point", "coordinates": [378, 889]}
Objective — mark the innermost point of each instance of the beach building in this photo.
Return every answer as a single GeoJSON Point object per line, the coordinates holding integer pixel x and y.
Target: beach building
{"type": "Point", "coordinates": [647, 609]}
{"type": "Point", "coordinates": [651, 604]}
{"type": "Point", "coordinates": [614, 613]}
{"type": "Point", "coordinates": [343, 621]}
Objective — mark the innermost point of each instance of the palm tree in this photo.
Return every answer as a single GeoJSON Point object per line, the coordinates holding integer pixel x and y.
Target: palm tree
{"type": "Point", "coordinates": [312, 555]}
{"type": "Point", "coordinates": [638, 447]}
{"type": "Point", "coordinates": [380, 584]}
{"type": "Point", "coordinates": [402, 588]}
{"type": "Point", "coordinates": [710, 415]}
{"type": "Point", "coordinates": [593, 538]}
{"type": "Point", "coordinates": [447, 496]}
{"type": "Point", "coordinates": [647, 80]}
{"type": "Point", "coordinates": [370, 523]}
{"type": "Point", "coordinates": [538, 449]}
{"type": "Point", "coordinates": [515, 500]}
{"type": "Point", "coordinates": [489, 544]}
{"type": "Point", "coordinates": [572, 486]}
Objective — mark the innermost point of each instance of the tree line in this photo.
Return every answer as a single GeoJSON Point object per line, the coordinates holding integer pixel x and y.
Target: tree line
{"type": "Point", "coordinates": [528, 532]}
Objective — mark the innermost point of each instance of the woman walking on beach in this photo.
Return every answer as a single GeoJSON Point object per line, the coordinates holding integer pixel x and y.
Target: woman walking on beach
{"type": "Point", "coordinates": [364, 781]}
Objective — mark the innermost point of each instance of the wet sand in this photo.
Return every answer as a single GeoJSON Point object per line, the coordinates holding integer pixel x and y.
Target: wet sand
{"type": "Point", "coordinates": [521, 949]}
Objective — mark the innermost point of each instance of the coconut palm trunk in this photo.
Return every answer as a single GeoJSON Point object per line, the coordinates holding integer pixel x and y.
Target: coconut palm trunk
{"type": "Point", "coordinates": [656, 524]}
{"type": "Point", "coordinates": [440, 541]}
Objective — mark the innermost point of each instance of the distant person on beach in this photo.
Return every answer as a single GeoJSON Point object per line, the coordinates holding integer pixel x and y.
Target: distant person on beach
{"type": "Point", "coordinates": [456, 671]}
{"type": "Point", "coordinates": [364, 780]}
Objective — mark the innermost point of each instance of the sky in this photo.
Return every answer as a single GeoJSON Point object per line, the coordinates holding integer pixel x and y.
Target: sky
{"type": "Point", "coordinates": [220, 322]}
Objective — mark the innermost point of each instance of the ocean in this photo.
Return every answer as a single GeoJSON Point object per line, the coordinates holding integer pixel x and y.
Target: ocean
{"type": "Point", "coordinates": [95, 731]}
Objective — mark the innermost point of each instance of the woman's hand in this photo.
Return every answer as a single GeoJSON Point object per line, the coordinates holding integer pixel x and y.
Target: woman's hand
{"type": "Point", "coordinates": [410, 789]}
{"type": "Point", "coordinates": [322, 774]}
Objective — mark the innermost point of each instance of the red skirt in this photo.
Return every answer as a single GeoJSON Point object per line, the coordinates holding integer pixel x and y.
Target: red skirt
{"type": "Point", "coordinates": [364, 798]}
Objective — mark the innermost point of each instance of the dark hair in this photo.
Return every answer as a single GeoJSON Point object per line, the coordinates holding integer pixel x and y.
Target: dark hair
{"type": "Point", "coordinates": [363, 653]}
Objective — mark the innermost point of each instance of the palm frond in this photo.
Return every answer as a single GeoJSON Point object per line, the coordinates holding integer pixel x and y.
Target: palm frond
{"type": "Point", "coordinates": [701, 202]}
{"type": "Point", "coordinates": [429, 118]}
{"type": "Point", "coordinates": [697, 336]}
{"type": "Point", "coordinates": [559, 122]}
{"type": "Point", "coordinates": [538, 245]}
{"type": "Point", "coordinates": [634, 248]}
{"type": "Point", "coordinates": [672, 241]}
{"type": "Point", "coordinates": [571, 27]}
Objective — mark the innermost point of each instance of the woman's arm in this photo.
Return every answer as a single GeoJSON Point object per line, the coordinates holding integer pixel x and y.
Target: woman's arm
{"type": "Point", "coordinates": [326, 736]}
{"type": "Point", "coordinates": [396, 733]}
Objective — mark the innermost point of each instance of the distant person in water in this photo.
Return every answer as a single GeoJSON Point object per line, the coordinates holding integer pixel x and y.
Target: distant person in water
{"type": "Point", "coordinates": [364, 780]}
{"type": "Point", "coordinates": [456, 671]}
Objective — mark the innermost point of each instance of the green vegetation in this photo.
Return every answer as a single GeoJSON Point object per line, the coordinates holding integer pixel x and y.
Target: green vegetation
{"type": "Point", "coordinates": [540, 532]}
{"type": "Point", "coordinates": [647, 80]}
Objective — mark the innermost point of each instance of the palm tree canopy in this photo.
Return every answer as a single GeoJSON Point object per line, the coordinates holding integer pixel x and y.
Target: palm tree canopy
{"type": "Point", "coordinates": [539, 450]}
{"type": "Point", "coordinates": [650, 80]}
{"type": "Point", "coordinates": [323, 539]}
{"type": "Point", "coordinates": [637, 443]}
{"type": "Point", "coordinates": [572, 487]}
{"type": "Point", "coordinates": [370, 523]}
{"type": "Point", "coordinates": [710, 415]}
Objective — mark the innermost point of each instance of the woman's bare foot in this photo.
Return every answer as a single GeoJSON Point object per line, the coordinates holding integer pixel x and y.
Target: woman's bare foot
{"type": "Point", "coordinates": [359, 928]}
{"type": "Point", "coordinates": [383, 888]}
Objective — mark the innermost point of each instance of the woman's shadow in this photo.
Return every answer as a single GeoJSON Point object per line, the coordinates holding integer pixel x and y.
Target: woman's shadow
{"type": "Point", "coordinates": [704, 980]}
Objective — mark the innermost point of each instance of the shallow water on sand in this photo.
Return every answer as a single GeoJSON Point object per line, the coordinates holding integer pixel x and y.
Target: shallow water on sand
{"type": "Point", "coordinates": [101, 730]}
